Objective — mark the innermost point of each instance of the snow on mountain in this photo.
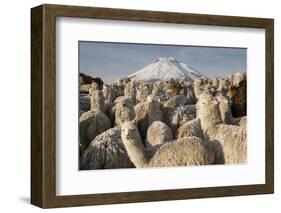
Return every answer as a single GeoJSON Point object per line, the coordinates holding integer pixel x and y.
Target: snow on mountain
{"type": "Point", "coordinates": [164, 69]}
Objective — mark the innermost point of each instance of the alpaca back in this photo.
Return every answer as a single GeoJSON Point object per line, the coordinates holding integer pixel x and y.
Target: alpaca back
{"type": "Point", "coordinates": [158, 133]}
{"type": "Point", "coordinates": [106, 151]}
{"type": "Point", "coordinates": [189, 129]}
{"type": "Point", "coordinates": [233, 140]}
{"type": "Point", "coordinates": [183, 152]}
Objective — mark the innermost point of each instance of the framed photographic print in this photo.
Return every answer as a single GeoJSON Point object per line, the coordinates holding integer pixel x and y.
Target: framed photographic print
{"type": "Point", "coordinates": [137, 106]}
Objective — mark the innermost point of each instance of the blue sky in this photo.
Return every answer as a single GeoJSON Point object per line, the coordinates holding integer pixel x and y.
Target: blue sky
{"type": "Point", "coordinates": [113, 60]}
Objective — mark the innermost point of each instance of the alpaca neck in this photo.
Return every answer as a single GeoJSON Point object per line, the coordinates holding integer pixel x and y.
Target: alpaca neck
{"type": "Point", "coordinates": [197, 90]}
{"type": "Point", "coordinates": [97, 101]}
{"type": "Point", "coordinates": [154, 112]}
{"type": "Point", "coordinates": [209, 123]}
{"type": "Point", "coordinates": [210, 128]}
{"type": "Point", "coordinates": [137, 153]}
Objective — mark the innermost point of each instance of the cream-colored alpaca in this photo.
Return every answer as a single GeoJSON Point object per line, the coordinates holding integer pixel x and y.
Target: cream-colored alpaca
{"type": "Point", "coordinates": [106, 151]}
{"type": "Point", "coordinates": [238, 77]}
{"type": "Point", "coordinates": [197, 86]}
{"type": "Point", "coordinates": [182, 152]}
{"type": "Point", "coordinates": [146, 113]}
{"type": "Point", "coordinates": [157, 87]}
{"type": "Point", "coordinates": [153, 109]}
{"type": "Point", "coordinates": [97, 101]}
{"type": "Point", "coordinates": [109, 93]}
{"type": "Point", "coordinates": [124, 110]}
{"type": "Point", "coordinates": [158, 133]}
{"type": "Point", "coordinates": [130, 91]}
{"type": "Point", "coordinates": [230, 141]}
{"type": "Point", "coordinates": [179, 115]}
{"type": "Point", "coordinates": [92, 124]}
{"type": "Point", "coordinates": [189, 129]}
{"type": "Point", "coordinates": [144, 89]}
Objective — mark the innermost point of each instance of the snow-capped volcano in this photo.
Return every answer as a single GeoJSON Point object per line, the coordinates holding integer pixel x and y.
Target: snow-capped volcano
{"type": "Point", "coordinates": [164, 69]}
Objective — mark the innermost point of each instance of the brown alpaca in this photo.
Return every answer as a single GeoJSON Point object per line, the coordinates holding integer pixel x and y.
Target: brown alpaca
{"type": "Point", "coordinates": [176, 89]}
{"type": "Point", "coordinates": [238, 97]}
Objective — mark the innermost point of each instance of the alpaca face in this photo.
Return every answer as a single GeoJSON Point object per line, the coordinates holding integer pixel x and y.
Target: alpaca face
{"type": "Point", "coordinates": [208, 108]}
{"type": "Point", "coordinates": [129, 130]}
{"type": "Point", "coordinates": [206, 100]}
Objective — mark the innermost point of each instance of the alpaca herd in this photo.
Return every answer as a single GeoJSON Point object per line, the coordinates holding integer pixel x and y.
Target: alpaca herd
{"type": "Point", "coordinates": [135, 124]}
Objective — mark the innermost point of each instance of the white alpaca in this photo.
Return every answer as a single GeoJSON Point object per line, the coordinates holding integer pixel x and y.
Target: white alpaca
{"type": "Point", "coordinates": [106, 151]}
{"type": "Point", "coordinates": [176, 101]}
{"type": "Point", "coordinates": [153, 109]}
{"type": "Point", "coordinates": [97, 101]}
{"type": "Point", "coordinates": [223, 85]}
{"type": "Point", "coordinates": [157, 87]}
{"type": "Point", "coordinates": [121, 100]}
{"type": "Point", "coordinates": [215, 82]}
{"type": "Point", "coordinates": [230, 141]}
{"type": "Point", "coordinates": [142, 118]}
{"type": "Point", "coordinates": [189, 129]}
{"type": "Point", "coordinates": [197, 86]}
{"type": "Point", "coordinates": [179, 115]}
{"type": "Point", "coordinates": [238, 77]}
{"type": "Point", "coordinates": [146, 113]}
{"type": "Point", "coordinates": [158, 133]}
{"type": "Point", "coordinates": [182, 152]}
{"type": "Point", "coordinates": [109, 93]}
{"type": "Point", "coordinates": [144, 89]}
{"type": "Point", "coordinates": [90, 125]}
{"type": "Point", "coordinates": [130, 91]}
{"type": "Point", "coordinates": [124, 111]}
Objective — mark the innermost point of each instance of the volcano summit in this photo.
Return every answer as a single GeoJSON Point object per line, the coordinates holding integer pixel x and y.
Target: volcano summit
{"type": "Point", "coordinates": [164, 69]}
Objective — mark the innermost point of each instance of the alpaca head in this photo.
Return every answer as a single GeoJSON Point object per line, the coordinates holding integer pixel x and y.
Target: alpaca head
{"type": "Point", "coordinates": [129, 133]}
{"type": "Point", "coordinates": [133, 144]}
{"type": "Point", "coordinates": [208, 109]}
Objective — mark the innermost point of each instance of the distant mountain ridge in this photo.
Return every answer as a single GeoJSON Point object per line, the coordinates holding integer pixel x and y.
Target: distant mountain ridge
{"type": "Point", "coordinates": [164, 69]}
